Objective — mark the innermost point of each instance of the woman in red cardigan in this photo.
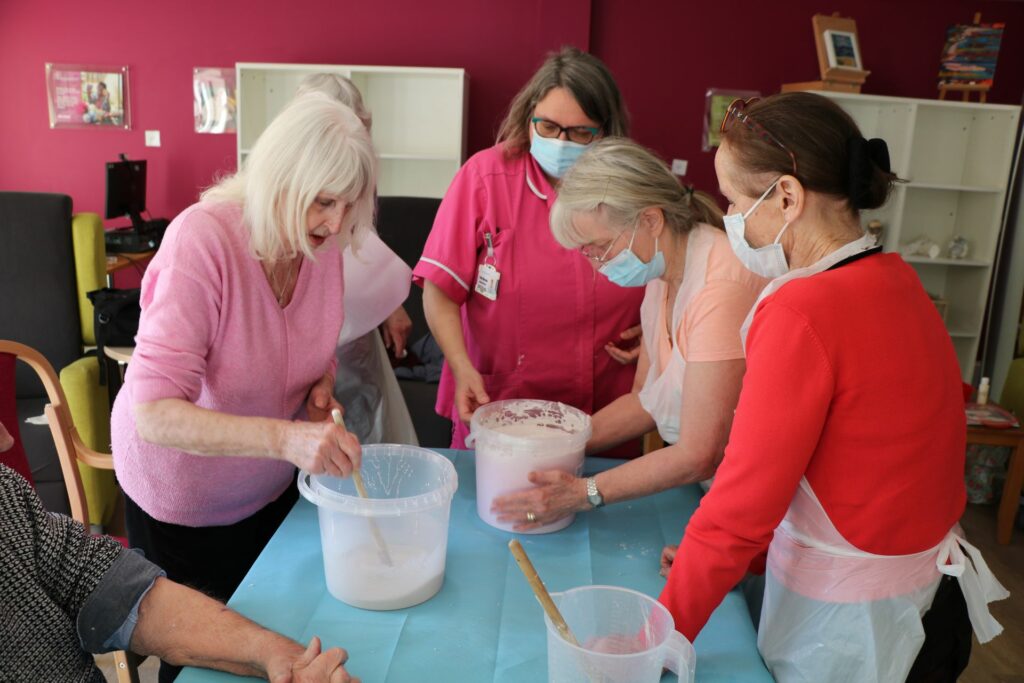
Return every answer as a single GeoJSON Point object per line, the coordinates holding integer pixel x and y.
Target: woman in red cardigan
{"type": "Point", "coordinates": [845, 460]}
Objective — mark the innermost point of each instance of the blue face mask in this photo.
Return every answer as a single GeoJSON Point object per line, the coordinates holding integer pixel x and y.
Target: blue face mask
{"type": "Point", "coordinates": [768, 261]}
{"type": "Point", "coordinates": [555, 156]}
{"type": "Point", "coordinates": [627, 270]}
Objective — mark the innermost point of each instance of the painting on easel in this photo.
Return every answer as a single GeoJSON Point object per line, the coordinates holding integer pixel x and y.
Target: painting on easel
{"type": "Point", "coordinates": [969, 57]}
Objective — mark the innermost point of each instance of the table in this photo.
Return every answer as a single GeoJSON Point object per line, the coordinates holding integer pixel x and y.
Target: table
{"type": "Point", "coordinates": [485, 624]}
{"type": "Point", "coordinates": [1014, 485]}
{"type": "Point", "coordinates": [121, 354]}
{"type": "Point", "coordinates": [117, 261]}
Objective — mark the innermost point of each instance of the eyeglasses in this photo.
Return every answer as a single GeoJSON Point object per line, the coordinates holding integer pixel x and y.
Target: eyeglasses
{"type": "Point", "coordinates": [583, 135]}
{"type": "Point", "coordinates": [736, 112]}
{"type": "Point", "coordinates": [603, 258]}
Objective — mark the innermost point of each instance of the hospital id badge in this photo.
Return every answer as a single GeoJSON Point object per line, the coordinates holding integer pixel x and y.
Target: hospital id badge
{"type": "Point", "coordinates": [487, 277]}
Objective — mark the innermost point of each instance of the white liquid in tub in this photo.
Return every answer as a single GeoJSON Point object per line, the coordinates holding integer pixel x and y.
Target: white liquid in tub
{"type": "Point", "coordinates": [500, 470]}
{"type": "Point", "coordinates": [358, 577]}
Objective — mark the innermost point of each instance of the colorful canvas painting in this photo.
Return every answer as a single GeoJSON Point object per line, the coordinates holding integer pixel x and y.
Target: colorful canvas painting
{"type": "Point", "coordinates": [970, 54]}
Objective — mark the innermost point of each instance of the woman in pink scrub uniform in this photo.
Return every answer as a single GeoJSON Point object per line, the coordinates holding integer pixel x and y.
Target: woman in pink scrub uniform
{"type": "Point", "coordinates": [516, 315]}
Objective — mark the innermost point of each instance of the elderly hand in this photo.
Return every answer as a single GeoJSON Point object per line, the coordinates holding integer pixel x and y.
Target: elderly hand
{"type": "Point", "coordinates": [313, 666]}
{"type": "Point", "coordinates": [396, 329]}
{"type": "Point", "coordinates": [668, 556]}
{"type": "Point", "coordinates": [630, 351]}
{"type": "Point", "coordinates": [320, 401]}
{"type": "Point", "coordinates": [321, 448]}
{"type": "Point", "coordinates": [556, 494]}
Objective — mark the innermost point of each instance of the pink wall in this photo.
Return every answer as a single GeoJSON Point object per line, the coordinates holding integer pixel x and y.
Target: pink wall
{"type": "Point", "coordinates": [500, 44]}
{"type": "Point", "coordinates": [664, 54]}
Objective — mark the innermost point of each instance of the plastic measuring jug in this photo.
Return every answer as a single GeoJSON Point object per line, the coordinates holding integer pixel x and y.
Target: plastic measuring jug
{"type": "Point", "coordinates": [624, 637]}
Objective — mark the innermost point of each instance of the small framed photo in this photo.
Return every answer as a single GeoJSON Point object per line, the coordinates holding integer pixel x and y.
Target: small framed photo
{"type": "Point", "coordinates": [842, 50]}
{"type": "Point", "coordinates": [716, 103]}
{"type": "Point", "coordinates": [214, 99]}
{"type": "Point", "coordinates": [88, 96]}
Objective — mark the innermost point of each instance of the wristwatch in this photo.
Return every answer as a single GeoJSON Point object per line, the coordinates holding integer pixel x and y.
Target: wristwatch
{"type": "Point", "coordinates": [594, 496]}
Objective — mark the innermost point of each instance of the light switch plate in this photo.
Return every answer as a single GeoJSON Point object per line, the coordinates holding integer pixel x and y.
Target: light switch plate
{"type": "Point", "coordinates": [152, 138]}
{"type": "Point", "coordinates": [679, 166]}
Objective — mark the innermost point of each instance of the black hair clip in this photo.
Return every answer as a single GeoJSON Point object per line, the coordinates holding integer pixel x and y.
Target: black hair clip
{"type": "Point", "coordinates": [864, 156]}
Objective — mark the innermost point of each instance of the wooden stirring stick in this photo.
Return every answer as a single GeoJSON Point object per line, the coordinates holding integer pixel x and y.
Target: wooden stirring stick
{"type": "Point", "coordinates": [540, 591]}
{"type": "Point", "coordinates": [357, 478]}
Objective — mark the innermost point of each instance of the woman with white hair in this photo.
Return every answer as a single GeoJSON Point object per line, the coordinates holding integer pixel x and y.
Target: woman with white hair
{"type": "Point", "coordinates": [377, 282]}
{"type": "Point", "coordinates": [625, 211]}
{"type": "Point", "coordinates": [230, 385]}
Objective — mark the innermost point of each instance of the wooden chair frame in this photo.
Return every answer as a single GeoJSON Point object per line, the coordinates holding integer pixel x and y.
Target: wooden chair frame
{"type": "Point", "coordinates": [71, 451]}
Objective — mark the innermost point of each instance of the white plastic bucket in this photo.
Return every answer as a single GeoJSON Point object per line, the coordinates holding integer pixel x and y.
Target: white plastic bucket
{"type": "Point", "coordinates": [624, 637]}
{"type": "Point", "coordinates": [409, 493]}
{"type": "Point", "coordinates": [519, 436]}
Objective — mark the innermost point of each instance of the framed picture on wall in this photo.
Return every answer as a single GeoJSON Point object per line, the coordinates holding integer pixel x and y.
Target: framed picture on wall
{"type": "Point", "coordinates": [842, 50]}
{"type": "Point", "coordinates": [716, 102]}
{"type": "Point", "coordinates": [88, 96]}
{"type": "Point", "coordinates": [214, 99]}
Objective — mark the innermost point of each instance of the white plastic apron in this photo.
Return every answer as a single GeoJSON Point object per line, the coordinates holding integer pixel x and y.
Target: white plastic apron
{"type": "Point", "coordinates": [835, 613]}
{"type": "Point", "coordinates": [376, 283]}
{"type": "Point", "coordinates": [662, 393]}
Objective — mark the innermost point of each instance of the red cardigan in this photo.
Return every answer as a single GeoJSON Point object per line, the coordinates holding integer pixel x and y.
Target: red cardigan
{"type": "Point", "coordinates": [851, 381]}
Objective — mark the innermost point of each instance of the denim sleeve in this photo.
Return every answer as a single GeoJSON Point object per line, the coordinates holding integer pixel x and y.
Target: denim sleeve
{"type": "Point", "coordinates": [109, 615]}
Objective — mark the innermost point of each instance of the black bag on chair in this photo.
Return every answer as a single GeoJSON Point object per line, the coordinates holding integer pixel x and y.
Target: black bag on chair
{"type": "Point", "coordinates": [115, 321]}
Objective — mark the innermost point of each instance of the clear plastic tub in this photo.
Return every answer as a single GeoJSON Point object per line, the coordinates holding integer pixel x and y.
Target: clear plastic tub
{"type": "Point", "coordinates": [409, 498]}
{"type": "Point", "coordinates": [624, 637]}
{"type": "Point", "coordinates": [519, 436]}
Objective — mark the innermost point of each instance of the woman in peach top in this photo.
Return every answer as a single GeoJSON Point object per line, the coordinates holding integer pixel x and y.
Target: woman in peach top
{"type": "Point", "coordinates": [625, 210]}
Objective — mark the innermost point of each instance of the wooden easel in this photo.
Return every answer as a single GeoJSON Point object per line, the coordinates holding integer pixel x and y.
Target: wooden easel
{"type": "Point", "coordinates": [966, 88]}
{"type": "Point", "coordinates": [832, 78]}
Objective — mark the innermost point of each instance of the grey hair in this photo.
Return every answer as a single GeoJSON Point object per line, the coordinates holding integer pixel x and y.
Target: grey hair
{"type": "Point", "coordinates": [619, 179]}
{"type": "Point", "coordinates": [341, 89]}
{"type": "Point", "coordinates": [315, 145]}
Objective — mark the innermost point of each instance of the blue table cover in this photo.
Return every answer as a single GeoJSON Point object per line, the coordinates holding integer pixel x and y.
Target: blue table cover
{"type": "Point", "coordinates": [485, 624]}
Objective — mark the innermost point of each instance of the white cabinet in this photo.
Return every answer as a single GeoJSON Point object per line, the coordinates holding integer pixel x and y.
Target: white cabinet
{"type": "Point", "coordinates": [419, 117]}
{"type": "Point", "coordinates": [957, 157]}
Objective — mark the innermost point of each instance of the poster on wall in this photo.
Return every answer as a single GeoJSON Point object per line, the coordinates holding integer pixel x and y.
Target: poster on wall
{"type": "Point", "coordinates": [716, 102]}
{"type": "Point", "coordinates": [214, 99]}
{"type": "Point", "coordinates": [88, 96]}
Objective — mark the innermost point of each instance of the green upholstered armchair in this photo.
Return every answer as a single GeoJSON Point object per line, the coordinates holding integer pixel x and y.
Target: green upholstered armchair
{"type": "Point", "coordinates": [40, 308]}
{"type": "Point", "coordinates": [87, 398]}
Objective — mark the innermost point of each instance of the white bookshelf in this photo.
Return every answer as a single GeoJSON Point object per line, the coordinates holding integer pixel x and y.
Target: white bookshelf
{"type": "Point", "coordinates": [419, 117]}
{"type": "Point", "coordinates": [957, 157]}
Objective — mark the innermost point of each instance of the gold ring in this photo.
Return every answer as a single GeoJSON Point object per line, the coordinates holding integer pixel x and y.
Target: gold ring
{"type": "Point", "coordinates": [530, 517]}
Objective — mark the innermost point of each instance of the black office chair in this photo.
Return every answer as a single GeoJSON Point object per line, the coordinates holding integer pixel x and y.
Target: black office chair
{"type": "Point", "coordinates": [403, 224]}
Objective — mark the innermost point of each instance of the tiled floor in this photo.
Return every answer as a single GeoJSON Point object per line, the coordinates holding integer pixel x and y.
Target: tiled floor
{"type": "Point", "coordinates": [1001, 661]}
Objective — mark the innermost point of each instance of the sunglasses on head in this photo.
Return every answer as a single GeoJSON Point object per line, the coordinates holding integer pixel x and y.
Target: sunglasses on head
{"type": "Point", "coordinates": [737, 112]}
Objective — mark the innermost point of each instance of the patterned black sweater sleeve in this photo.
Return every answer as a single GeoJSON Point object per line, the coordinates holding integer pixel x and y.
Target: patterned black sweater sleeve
{"type": "Point", "coordinates": [49, 567]}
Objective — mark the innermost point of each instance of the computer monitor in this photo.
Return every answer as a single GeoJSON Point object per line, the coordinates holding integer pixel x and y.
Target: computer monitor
{"type": "Point", "coordinates": [126, 190]}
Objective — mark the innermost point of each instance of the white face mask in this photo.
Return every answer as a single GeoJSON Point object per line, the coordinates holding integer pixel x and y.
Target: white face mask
{"type": "Point", "coordinates": [767, 261]}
